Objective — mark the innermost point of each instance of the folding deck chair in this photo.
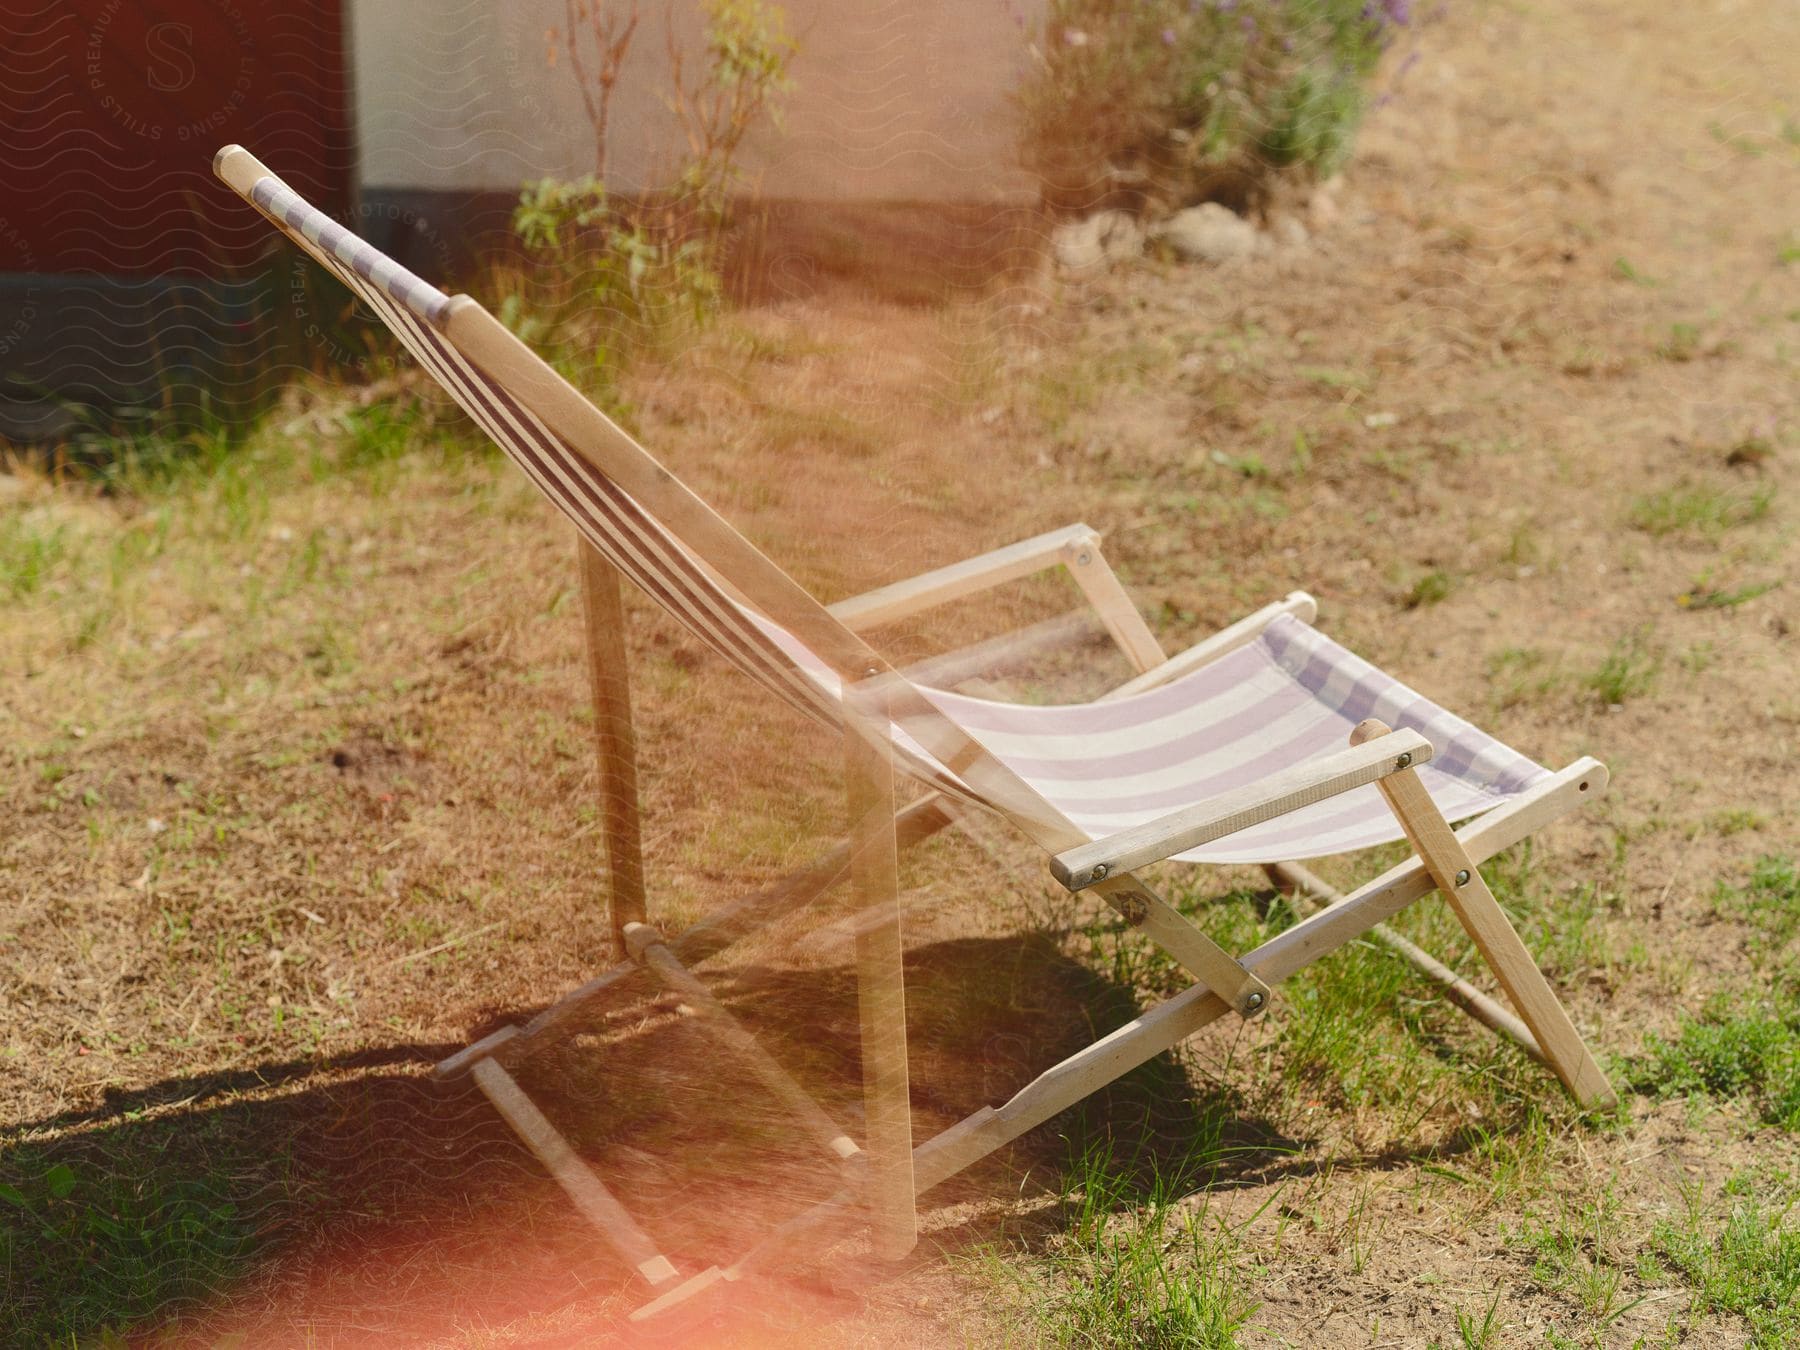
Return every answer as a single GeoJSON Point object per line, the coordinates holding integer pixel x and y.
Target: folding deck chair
{"type": "Point", "coordinates": [1267, 743]}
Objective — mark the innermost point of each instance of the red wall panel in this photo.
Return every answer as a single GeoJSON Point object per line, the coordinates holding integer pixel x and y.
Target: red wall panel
{"type": "Point", "coordinates": [110, 111]}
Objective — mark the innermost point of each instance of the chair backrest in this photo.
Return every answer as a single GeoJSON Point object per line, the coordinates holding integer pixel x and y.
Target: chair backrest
{"type": "Point", "coordinates": [673, 571]}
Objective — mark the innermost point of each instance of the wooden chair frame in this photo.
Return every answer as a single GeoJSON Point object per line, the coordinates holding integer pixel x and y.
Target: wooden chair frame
{"type": "Point", "coordinates": [886, 1174]}
{"type": "Point", "coordinates": [890, 1175]}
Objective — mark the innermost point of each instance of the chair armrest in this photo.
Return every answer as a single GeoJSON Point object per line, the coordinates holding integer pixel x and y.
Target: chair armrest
{"type": "Point", "coordinates": [1075, 546]}
{"type": "Point", "coordinates": [1229, 812]}
{"type": "Point", "coordinates": [886, 604]}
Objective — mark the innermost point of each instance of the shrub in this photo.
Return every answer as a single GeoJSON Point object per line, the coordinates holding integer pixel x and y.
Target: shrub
{"type": "Point", "coordinates": [1188, 99]}
{"type": "Point", "coordinates": [610, 282]}
{"type": "Point", "coordinates": [623, 273]}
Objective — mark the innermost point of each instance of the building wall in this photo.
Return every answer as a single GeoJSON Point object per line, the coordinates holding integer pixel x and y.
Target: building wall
{"type": "Point", "coordinates": [893, 100]}
{"type": "Point", "coordinates": [110, 112]}
{"type": "Point", "coordinates": [121, 256]}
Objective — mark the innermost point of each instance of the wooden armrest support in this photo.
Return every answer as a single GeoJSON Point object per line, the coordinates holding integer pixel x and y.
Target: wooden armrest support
{"type": "Point", "coordinates": [1276, 795]}
{"type": "Point", "coordinates": [886, 604]}
{"type": "Point", "coordinates": [1075, 546]}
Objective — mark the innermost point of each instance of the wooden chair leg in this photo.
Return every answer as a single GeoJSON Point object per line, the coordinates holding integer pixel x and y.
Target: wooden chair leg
{"type": "Point", "coordinates": [647, 945]}
{"type": "Point", "coordinates": [1461, 884]}
{"type": "Point", "coordinates": [575, 1177]}
{"type": "Point", "coordinates": [881, 998]}
{"type": "Point", "coordinates": [615, 740]}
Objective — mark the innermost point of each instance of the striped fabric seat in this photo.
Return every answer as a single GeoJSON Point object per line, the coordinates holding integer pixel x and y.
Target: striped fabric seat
{"type": "Point", "coordinates": [1289, 696]}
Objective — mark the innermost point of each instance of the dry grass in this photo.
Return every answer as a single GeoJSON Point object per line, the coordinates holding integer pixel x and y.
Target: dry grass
{"type": "Point", "coordinates": [297, 770]}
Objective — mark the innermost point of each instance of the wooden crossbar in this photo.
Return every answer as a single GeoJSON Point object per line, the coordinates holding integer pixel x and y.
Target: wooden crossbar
{"type": "Point", "coordinates": [779, 1244]}
{"type": "Point", "coordinates": [1192, 949]}
{"type": "Point", "coordinates": [647, 945]}
{"type": "Point", "coordinates": [1203, 653]}
{"type": "Point", "coordinates": [888, 604]}
{"type": "Point", "coordinates": [716, 933]}
{"type": "Point", "coordinates": [1458, 877]}
{"type": "Point", "coordinates": [1304, 784]}
{"type": "Point", "coordinates": [997, 655]}
{"type": "Point", "coordinates": [597, 1203]}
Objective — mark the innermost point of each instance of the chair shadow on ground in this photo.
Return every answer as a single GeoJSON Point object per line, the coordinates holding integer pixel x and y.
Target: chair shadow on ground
{"type": "Point", "coordinates": [358, 1197]}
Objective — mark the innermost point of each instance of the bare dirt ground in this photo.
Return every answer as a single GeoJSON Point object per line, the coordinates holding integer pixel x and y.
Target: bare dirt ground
{"type": "Point", "coordinates": [300, 793]}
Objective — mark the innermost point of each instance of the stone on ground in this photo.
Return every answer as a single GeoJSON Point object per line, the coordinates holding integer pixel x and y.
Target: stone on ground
{"type": "Point", "coordinates": [1208, 233]}
{"type": "Point", "coordinates": [1096, 241]}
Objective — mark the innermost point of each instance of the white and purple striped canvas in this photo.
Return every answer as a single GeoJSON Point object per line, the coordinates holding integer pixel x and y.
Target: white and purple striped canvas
{"type": "Point", "coordinates": [1291, 695]}
{"type": "Point", "coordinates": [289, 208]}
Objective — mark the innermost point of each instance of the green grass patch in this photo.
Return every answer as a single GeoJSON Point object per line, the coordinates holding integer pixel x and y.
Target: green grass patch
{"type": "Point", "coordinates": [1519, 675]}
{"type": "Point", "coordinates": [1628, 671]}
{"type": "Point", "coordinates": [1361, 1031]}
{"type": "Point", "coordinates": [169, 536]}
{"type": "Point", "coordinates": [1681, 344]}
{"type": "Point", "coordinates": [1739, 1049]}
{"type": "Point", "coordinates": [1132, 1268]}
{"type": "Point", "coordinates": [1749, 1264]}
{"type": "Point", "coordinates": [1700, 510]}
{"type": "Point", "coordinates": [1430, 589]}
{"type": "Point", "coordinates": [31, 553]}
{"type": "Point", "coordinates": [1704, 595]}
{"type": "Point", "coordinates": [1577, 1251]}
{"type": "Point", "coordinates": [1478, 1330]}
{"type": "Point", "coordinates": [1145, 1282]}
{"type": "Point", "coordinates": [1625, 270]}
{"type": "Point", "coordinates": [91, 1247]}
{"type": "Point", "coordinates": [1334, 377]}
{"type": "Point", "coordinates": [1736, 820]}
{"type": "Point", "coordinates": [1770, 902]}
